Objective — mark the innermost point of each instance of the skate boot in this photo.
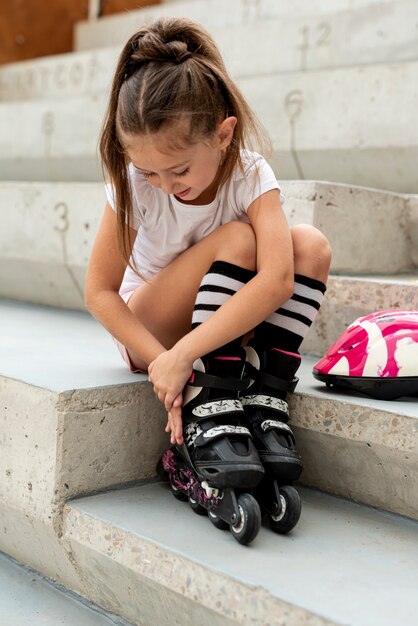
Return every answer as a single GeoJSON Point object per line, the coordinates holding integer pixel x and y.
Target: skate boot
{"type": "Point", "coordinates": [218, 463]}
{"type": "Point", "coordinates": [272, 373]}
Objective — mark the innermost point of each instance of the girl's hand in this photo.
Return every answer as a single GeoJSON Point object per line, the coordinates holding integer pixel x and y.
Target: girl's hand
{"type": "Point", "coordinates": [169, 372]}
{"type": "Point", "coordinates": [174, 423]}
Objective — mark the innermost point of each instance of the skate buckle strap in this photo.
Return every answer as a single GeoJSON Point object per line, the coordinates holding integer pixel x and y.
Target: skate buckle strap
{"type": "Point", "coordinates": [217, 407]}
{"type": "Point", "coordinates": [268, 379]}
{"type": "Point", "coordinates": [265, 401]}
{"type": "Point", "coordinates": [274, 424]}
{"type": "Point", "coordinates": [197, 435]}
{"type": "Point", "coordinates": [202, 379]}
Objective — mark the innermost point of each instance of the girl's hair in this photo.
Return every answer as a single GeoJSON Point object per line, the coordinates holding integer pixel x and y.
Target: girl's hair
{"type": "Point", "coordinates": [170, 71]}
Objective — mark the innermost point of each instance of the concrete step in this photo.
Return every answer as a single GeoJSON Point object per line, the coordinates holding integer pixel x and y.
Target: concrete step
{"type": "Point", "coordinates": [51, 139]}
{"type": "Point", "coordinates": [365, 144]}
{"type": "Point", "coordinates": [286, 38]}
{"type": "Point", "coordinates": [350, 297]}
{"type": "Point", "coordinates": [59, 76]}
{"type": "Point", "coordinates": [48, 230]}
{"type": "Point", "coordinates": [316, 136]}
{"type": "Point", "coordinates": [359, 448]}
{"type": "Point", "coordinates": [74, 421]}
{"type": "Point", "coordinates": [153, 561]}
{"type": "Point", "coordinates": [350, 216]}
{"type": "Point", "coordinates": [28, 598]}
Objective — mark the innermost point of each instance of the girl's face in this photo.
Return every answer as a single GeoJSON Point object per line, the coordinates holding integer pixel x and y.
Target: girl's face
{"type": "Point", "coordinates": [190, 173]}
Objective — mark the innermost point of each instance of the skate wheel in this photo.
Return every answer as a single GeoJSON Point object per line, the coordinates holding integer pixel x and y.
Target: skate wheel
{"type": "Point", "coordinates": [249, 523]}
{"type": "Point", "coordinates": [196, 507]}
{"type": "Point", "coordinates": [217, 521]}
{"type": "Point", "coordinates": [289, 515]}
{"type": "Point", "coordinates": [179, 495]}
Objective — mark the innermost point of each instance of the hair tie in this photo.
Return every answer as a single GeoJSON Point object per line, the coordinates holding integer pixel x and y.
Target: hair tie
{"type": "Point", "coordinates": [186, 55]}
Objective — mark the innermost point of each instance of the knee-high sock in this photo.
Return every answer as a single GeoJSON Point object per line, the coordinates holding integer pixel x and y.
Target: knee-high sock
{"type": "Point", "coordinates": [220, 283]}
{"type": "Point", "coordinates": [287, 327]}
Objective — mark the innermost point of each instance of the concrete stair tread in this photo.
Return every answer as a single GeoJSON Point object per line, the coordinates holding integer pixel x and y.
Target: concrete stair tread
{"type": "Point", "coordinates": [58, 349]}
{"type": "Point", "coordinates": [390, 35]}
{"type": "Point", "coordinates": [70, 350]}
{"type": "Point", "coordinates": [71, 367]}
{"type": "Point", "coordinates": [75, 421]}
{"type": "Point", "coordinates": [26, 597]}
{"type": "Point", "coordinates": [393, 279]}
{"type": "Point", "coordinates": [116, 28]}
{"type": "Point", "coordinates": [56, 138]}
{"type": "Point", "coordinates": [343, 561]}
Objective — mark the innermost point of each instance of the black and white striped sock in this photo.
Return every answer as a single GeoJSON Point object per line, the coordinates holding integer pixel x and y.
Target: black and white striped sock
{"type": "Point", "coordinates": [287, 327]}
{"type": "Point", "coordinates": [220, 283]}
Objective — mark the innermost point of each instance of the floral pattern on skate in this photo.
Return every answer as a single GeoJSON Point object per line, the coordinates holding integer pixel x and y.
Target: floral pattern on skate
{"type": "Point", "coordinates": [184, 480]}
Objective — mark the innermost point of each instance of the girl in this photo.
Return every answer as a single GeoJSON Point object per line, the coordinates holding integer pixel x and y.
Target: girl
{"type": "Point", "coordinates": [194, 252]}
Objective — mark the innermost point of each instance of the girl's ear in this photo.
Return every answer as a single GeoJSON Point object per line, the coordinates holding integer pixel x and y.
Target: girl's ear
{"type": "Point", "coordinates": [226, 131]}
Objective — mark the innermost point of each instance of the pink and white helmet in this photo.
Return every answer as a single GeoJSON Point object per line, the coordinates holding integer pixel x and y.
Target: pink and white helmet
{"type": "Point", "coordinates": [377, 355]}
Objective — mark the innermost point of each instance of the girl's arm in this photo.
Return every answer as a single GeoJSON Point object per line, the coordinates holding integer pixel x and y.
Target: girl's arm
{"type": "Point", "coordinates": [104, 277]}
{"type": "Point", "coordinates": [251, 305]}
{"type": "Point", "coordinates": [265, 293]}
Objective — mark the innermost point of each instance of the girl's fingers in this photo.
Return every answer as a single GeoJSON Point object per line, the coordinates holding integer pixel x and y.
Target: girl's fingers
{"type": "Point", "coordinates": [178, 401]}
{"type": "Point", "coordinates": [170, 428]}
{"type": "Point", "coordinates": [174, 424]}
{"type": "Point", "coordinates": [177, 425]}
{"type": "Point", "coordinates": [179, 434]}
{"type": "Point", "coordinates": [166, 399]}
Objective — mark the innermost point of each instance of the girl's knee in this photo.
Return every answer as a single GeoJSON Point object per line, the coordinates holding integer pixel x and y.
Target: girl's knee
{"type": "Point", "coordinates": [312, 251]}
{"type": "Point", "coordinates": [237, 244]}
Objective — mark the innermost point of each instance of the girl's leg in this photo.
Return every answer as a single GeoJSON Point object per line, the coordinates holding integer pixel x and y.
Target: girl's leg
{"type": "Point", "coordinates": [165, 305]}
{"type": "Point", "coordinates": [288, 326]}
{"type": "Point", "coordinates": [191, 289]}
{"type": "Point", "coordinates": [273, 358]}
{"type": "Point", "coordinates": [312, 252]}
{"type": "Point", "coordinates": [217, 440]}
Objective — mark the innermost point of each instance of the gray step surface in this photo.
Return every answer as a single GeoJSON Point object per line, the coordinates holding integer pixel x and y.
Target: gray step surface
{"type": "Point", "coordinates": [73, 421]}
{"type": "Point", "coordinates": [339, 36]}
{"type": "Point", "coordinates": [28, 598]}
{"type": "Point", "coordinates": [342, 564]}
{"type": "Point", "coordinates": [286, 36]}
{"type": "Point", "coordinates": [58, 350]}
{"type": "Point", "coordinates": [111, 425]}
{"type": "Point", "coordinates": [365, 144]}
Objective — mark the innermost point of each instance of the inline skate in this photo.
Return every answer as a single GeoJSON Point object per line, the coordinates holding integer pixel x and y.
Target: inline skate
{"type": "Point", "coordinates": [217, 464]}
{"type": "Point", "coordinates": [272, 373]}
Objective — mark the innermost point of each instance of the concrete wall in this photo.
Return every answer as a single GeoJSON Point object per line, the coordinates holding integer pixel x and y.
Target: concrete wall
{"type": "Point", "coordinates": [49, 228]}
{"type": "Point", "coordinates": [315, 135]}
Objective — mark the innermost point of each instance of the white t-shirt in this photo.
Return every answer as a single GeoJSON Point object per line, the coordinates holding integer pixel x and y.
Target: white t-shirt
{"type": "Point", "coordinates": [166, 227]}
